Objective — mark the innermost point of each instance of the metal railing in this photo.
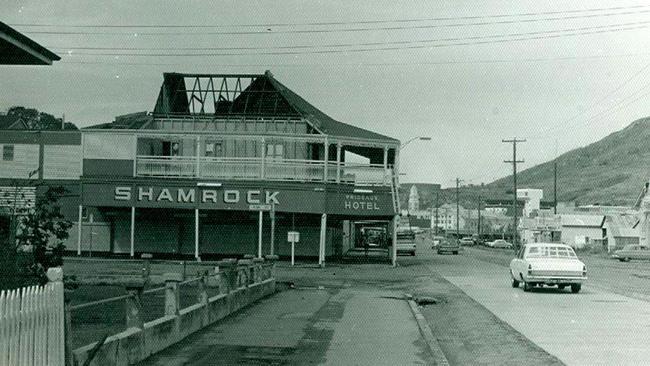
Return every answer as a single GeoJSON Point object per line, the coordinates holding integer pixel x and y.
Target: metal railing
{"type": "Point", "coordinates": [246, 168]}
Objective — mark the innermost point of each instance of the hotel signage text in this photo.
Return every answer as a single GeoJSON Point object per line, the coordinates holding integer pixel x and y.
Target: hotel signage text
{"type": "Point", "coordinates": [192, 195]}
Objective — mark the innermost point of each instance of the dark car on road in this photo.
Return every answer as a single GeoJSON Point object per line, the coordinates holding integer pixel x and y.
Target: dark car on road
{"type": "Point", "coordinates": [632, 251]}
{"type": "Point", "coordinates": [449, 246]}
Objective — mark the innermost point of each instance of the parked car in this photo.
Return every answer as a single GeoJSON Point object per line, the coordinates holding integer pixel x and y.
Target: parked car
{"type": "Point", "coordinates": [466, 242]}
{"type": "Point", "coordinates": [436, 241]}
{"type": "Point", "coordinates": [406, 242]}
{"type": "Point", "coordinates": [500, 243]}
{"type": "Point", "coordinates": [449, 246]}
{"type": "Point", "coordinates": [539, 264]}
{"type": "Point", "coordinates": [632, 251]}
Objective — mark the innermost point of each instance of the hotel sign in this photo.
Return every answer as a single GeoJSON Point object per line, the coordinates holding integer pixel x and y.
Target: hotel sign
{"type": "Point", "coordinates": [237, 197]}
{"type": "Point", "coordinates": [191, 195]}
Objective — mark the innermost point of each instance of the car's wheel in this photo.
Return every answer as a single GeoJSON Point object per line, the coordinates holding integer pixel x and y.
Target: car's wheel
{"type": "Point", "coordinates": [413, 254]}
{"type": "Point", "coordinates": [528, 286]}
{"type": "Point", "coordinates": [626, 259]}
{"type": "Point", "coordinates": [515, 283]}
{"type": "Point", "coordinates": [575, 288]}
{"type": "Point", "coordinates": [622, 259]}
{"type": "Point", "coordinates": [561, 287]}
{"type": "Point", "coordinates": [456, 252]}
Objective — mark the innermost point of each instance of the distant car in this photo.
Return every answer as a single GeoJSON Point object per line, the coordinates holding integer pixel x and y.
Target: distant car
{"type": "Point", "coordinates": [500, 243]}
{"type": "Point", "coordinates": [466, 242]}
{"type": "Point", "coordinates": [436, 241]}
{"type": "Point", "coordinates": [406, 242]}
{"type": "Point", "coordinates": [449, 246]}
{"type": "Point", "coordinates": [632, 251]}
{"type": "Point", "coordinates": [539, 264]}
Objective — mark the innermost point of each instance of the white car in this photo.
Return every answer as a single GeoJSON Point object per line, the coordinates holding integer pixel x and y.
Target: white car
{"type": "Point", "coordinates": [539, 264]}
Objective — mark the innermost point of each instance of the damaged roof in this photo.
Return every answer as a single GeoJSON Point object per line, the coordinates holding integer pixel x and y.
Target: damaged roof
{"type": "Point", "coordinates": [265, 96]}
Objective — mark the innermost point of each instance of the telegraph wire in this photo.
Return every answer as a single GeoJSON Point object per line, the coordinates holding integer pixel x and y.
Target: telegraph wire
{"type": "Point", "coordinates": [409, 44]}
{"type": "Point", "coordinates": [270, 31]}
{"type": "Point", "coordinates": [357, 64]}
{"type": "Point", "coordinates": [376, 21]}
{"type": "Point", "coordinates": [356, 44]}
{"type": "Point", "coordinates": [561, 126]}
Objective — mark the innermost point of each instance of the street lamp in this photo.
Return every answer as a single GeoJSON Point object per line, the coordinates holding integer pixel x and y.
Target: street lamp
{"type": "Point", "coordinates": [421, 138]}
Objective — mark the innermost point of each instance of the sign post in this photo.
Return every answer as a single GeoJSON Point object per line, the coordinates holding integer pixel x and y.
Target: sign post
{"type": "Point", "coordinates": [272, 214]}
{"type": "Point", "coordinates": [293, 237]}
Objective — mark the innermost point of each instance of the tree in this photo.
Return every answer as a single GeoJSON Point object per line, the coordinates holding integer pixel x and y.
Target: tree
{"type": "Point", "coordinates": [41, 233]}
{"type": "Point", "coordinates": [35, 120]}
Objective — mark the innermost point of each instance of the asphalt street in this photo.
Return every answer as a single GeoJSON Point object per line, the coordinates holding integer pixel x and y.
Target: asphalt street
{"type": "Point", "coordinates": [354, 314]}
{"type": "Point", "coordinates": [598, 326]}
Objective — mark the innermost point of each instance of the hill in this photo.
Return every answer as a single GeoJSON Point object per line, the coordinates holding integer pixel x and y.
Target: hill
{"type": "Point", "coordinates": [611, 171]}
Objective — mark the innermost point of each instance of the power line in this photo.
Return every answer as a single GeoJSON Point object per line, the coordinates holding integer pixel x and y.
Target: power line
{"type": "Point", "coordinates": [270, 31]}
{"type": "Point", "coordinates": [373, 21]}
{"type": "Point", "coordinates": [602, 114]}
{"type": "Point", "coordinates": [563, 124]}
{"type": "Point", "coordinates": [484, 40]}
{"type": "Point", "coordinates": [354, 44]}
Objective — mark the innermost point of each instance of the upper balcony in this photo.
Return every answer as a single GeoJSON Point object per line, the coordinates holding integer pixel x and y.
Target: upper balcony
{"type": "Point", "coordinates": [240, 127]}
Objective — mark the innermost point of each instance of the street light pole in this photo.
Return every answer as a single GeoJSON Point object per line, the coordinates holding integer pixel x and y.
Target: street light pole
{"type": "Point", "coordinates": [421, 138]}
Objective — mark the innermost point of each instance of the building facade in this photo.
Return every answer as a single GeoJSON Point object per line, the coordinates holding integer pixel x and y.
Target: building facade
{"type": "Point", "coordinates": [221, 165]}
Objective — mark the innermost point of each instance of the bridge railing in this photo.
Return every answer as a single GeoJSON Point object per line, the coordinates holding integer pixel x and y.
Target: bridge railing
{"type": "Point", "coordinates": [183, 306]}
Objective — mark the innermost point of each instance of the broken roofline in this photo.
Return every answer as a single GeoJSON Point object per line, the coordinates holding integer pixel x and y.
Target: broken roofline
{"type": "Point", "coordinates": [263, 96]}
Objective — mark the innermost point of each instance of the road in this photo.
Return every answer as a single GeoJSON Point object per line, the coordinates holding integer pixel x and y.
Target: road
{"type": "Point", "coordinates": [354, 314]}
{"type": "Point", "coordinates": [608, 322]}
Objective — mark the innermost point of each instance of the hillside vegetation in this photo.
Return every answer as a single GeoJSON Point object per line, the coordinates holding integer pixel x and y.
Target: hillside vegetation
{"type": "Point", "coordinates": [611, 171]}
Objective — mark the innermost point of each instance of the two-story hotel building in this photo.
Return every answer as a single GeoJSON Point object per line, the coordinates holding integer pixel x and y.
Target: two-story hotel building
{"type": "Point", "coordinates": [221, 165]}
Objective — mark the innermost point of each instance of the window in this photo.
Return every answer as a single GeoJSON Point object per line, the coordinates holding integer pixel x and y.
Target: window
{"type": "Point", "coordinates": [213, 149]}
{"type": "Point", "coordinates": [275, 151]}
{"type": "Point", "coordinates": [171, 148]}
{"type": "Point", "coordinates": [8, 152]}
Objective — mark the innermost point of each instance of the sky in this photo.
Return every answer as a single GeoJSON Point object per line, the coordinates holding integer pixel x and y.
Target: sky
{"type": "Point", "coordinates": [465, 73]}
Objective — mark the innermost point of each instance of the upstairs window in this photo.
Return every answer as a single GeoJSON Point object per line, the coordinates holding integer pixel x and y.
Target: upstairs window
{"type": "Point", "coordinates": [8, 152]}
{"type": "Point", "coordinates": [275, 151]}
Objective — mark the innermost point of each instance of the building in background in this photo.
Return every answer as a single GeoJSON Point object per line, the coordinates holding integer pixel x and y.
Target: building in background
{"type": "Point", "coordinates": [414, 200]}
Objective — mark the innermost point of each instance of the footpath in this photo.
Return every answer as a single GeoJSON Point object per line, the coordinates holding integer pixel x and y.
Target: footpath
{"type": "Point", "coordinates": [340, 325]}
{"type": "Point", "coordinates": [323, 318]}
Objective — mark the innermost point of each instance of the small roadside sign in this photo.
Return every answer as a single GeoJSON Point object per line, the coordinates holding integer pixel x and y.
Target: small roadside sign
{"type": "Point", "coordinates": [259, 207]}
{"type": "Point", "coordinates": [293, 236]}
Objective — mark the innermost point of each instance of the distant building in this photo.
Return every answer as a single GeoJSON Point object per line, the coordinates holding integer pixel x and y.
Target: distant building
{"type": "Point", "coordinates": [620, 230]}
{"type": "Point", "coordinates": [531, 198]}
{"type": "Point", "coordinates": [414, 199]}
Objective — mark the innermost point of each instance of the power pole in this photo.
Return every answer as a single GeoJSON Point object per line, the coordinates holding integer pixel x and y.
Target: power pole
{"type": "Point", "coordinates": [514, 162]}
{"type": "Point", "coordinates": [478, 226]}
{"type": "Point", "coordinates": [555, 187]}
{"type": "Point", "coordinates": [435, 227]}
{"type": "Point", "coordinates": [457, 209]}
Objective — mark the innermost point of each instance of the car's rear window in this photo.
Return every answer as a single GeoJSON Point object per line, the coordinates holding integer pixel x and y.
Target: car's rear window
{"type": "Point", "coordinates": [549, 251]}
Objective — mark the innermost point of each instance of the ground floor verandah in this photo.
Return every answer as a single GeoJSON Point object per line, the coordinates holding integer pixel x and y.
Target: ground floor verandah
{"type": "Point", "coordinates": [212, 234]}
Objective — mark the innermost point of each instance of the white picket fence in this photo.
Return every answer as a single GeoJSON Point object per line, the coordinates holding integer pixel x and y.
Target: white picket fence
{"type": "Point", "coordinates": [32, 325]}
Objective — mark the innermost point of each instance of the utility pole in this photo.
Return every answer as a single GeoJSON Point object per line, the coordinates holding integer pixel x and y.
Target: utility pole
{"type": "Point", "coordinates": [435, 226]}
{"type": "Point", "coordinates": [514, 162]}
{"type": "Point", "coordinates": [457, 209]}
{"type": "Point", "coordinates": [555, 187]}
{"type": "Point", "coordinates": [478, 226]}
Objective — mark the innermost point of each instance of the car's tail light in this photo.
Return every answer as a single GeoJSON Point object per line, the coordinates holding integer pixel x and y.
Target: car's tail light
{"type": "Point", "coordinates": [530, 269]}
{"type": "Point", "coordinates": [584, 271]}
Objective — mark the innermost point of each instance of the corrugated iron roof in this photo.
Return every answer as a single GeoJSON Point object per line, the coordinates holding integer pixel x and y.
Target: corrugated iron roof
{"type": "Point", "coordinates": [583, 220]}
{"type": "Point", "coordinates": [265, 96]}
{"type": "Point", "coordinates": [622, 225]}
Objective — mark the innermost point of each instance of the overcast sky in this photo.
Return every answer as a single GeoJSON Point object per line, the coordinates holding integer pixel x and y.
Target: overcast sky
{"type": "Point", "coordinates": [467, 93]}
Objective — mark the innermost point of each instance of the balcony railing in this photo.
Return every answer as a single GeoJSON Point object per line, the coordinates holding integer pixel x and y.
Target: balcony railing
{"type": "Point", "coordinates": [262, 169]}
